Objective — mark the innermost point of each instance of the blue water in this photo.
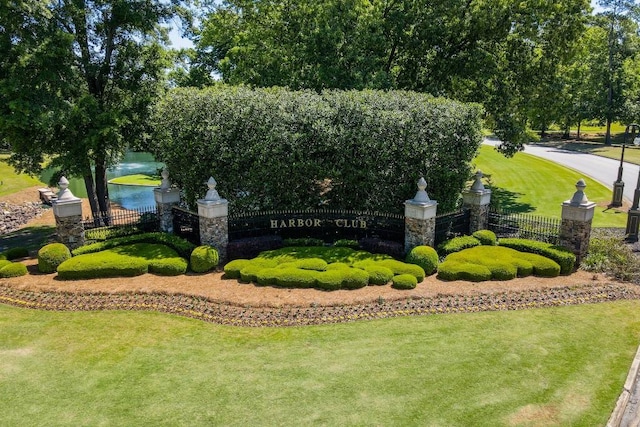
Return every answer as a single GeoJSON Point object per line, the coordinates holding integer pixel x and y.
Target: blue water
{"type": "Point", "coordinates": [127, 196]}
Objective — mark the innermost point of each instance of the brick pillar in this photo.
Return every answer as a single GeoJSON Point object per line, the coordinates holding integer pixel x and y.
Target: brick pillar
{"type": "Point", "coordinates": [477, 200]}
{"type": "Point", "coordinates": [575, 229]}
{"type": "Point", "coordinates": [214, 225]}
{"type": "Point", "coordinates": [166, 198]}
{"type": "Point", "coordinates": [67, 210]}
{"type": "Point", "coordinates": [419, 219]}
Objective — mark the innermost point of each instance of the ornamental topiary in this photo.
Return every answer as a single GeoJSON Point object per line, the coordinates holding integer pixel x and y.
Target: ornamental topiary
{"type": "Point", "coordinates": [565, 258]}
{"type": "Point", "coordinates": [330, 280]}
{"type": "Point", "coordinates": [296, 278]}
{"type": "Point", "coordinates": [457, 244]}
{"type": "Point", "coordinates": [4, 262]}
{"type": "Point", "coordinates": [16, 253]}
{"type": "Point", "coordinates": [486, 237]}
{"type": "Point", "coordinates": [267, 277]}
{"type": "Point", "coordinates": [203, 258]}
{"type": "Point", "coordinates": [15, 269]}
{"type": "Point", "coordinates": [378, 274]}
{"type": "Point", "coordinates": [168, 266]}
{"type": "Point", "coordinates": [542, 266]}
{"type": "Point", "coordinates": [354, 278]}
{"type": "Point", "coordinates": [102, 264]}
{"type": "Point", "coordinates": [399, 267]}
{"type": "Point", "coordinates": [424, 256]}
{"type": "Point", "coordinates": [232, 269]}
{"type": "Point", "coordinates": [454, 270]}
{"type": "Point", "coordinates": [316, 264]}
{"type": "Point", "coordinates": [51, 256]}
{"type": "Point", "coordinates": [404, 281]}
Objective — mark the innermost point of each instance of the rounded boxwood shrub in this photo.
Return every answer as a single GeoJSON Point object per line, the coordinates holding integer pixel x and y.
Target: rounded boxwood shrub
{"type": "Point", "coordinates": [378, 274]}
{"type": "Point", "coordinates": [51, 256]}
{"type": "Point", "coordinates": [4, 262]}
{"type": "Point", "coordinates": [102, 264]}
{"type": "Point", "coordinates": [316, 264]}
{"type": "Point", "coordinates": [457, 244]}
{"type": "Point", "coordinates": [404, 281]}
{"type": "Point", "coordinates": [354, 278]}
{"type": "Point", "coordinates": [543, 266]}
{"type": "Point", "coordinates": [296, 278]}
{"type": "Point", "coordinates": [564, 257]}
{"type": "Point", "coordinates": [338, 266]}
{"type": "Point", "coordinates": [454, 270]}
{"type": "Point", "coordinates": [168, 266]}
{"type": "Point", "coordinates": [250, 272]}
{"type": "Point", "coordinates": [500, 270]}
{"type": "Point", "coordinates": [204, 258]}
{"type": "Point", "coordinates": [424, 256]}
{"type": "Point", "coordinates": [15, 269]}
{"type": "Point", "coordinates": [486, 237]}
{"type": "Point", "coordinates": [330, 280]}
{"type": "Point", "coordinates": [3, 256]}
{"type": "Point", "coordinates": [15, 253]}
{"type": "Point", "coordinates": [267, 276]}
{"type": "Point", "coordinates": [525, 268]}
{"type": "Point", "coordinates": [399, 267]}
{"type": "Point", "coordinates": [232, 269]}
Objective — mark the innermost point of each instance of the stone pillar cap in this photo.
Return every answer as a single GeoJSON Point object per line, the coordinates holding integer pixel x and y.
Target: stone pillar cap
{"type": "Point", "coordinates": [65, 195]}
{"type": "Point", "coordinates": [166, 183]}
{"type": "Point", "coordinates": [421, 196]}
{"type": "Point", "coordinates": [478, 186]}
{"type": "Point", "coordinates": [579, 197]}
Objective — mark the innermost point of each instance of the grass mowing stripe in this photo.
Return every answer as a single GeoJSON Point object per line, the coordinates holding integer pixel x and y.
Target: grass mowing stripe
{"type": "Point", "coordinates": [529, 184]}
{"type": "Point", "coordinates": [565, 366]}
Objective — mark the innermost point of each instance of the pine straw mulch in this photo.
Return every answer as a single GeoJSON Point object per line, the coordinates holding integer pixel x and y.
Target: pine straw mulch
{"type": "Point", "coordinates": [211, 297]}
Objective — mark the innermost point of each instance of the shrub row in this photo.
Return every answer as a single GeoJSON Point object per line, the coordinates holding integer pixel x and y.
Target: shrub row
{"type": "Point", "coordinates": [11, 269]}
{"type": "Point", "coordinates": [181, 246]}
{"type": "Point", "coordinates": [565, 258]}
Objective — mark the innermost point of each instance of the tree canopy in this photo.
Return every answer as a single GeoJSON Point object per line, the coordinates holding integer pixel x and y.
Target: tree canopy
{"type": "Point", "coordinates": [76, 80]}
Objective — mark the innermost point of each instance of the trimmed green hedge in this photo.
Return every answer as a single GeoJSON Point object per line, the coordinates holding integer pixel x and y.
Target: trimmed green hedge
{"type": "Point", "coordinates": [168, 266]}
{"type": "Point", "coordinates": [16, 253]}
{"type": "Point", "coordinates": [454, 270]}
{"type": "Point", "coordinates": [204, 258]}
{"type": "Point", "coordinates": [181, 246]}
{"type": "Point", "coordinates": [378, 274]}
{"type": "Point", "coordinates": [565, 258]}
{"type": "Point", "coordinates": [399, 267]}
{"type": "Point", "coordinates": [4, 262]}
{"type": "Point", "coordinates": [14, 269]}
{"type": "Point", "coordinates": [404, 281]}
{"type": "Point", "coordinates": [330, 280]}
{"type": "Point", "coordinates": [457, 244]}
{"type": "Point", "coordinates": [486, 237]}
{"type": "Point", "coordinates": [102, 264]}
{"type": "Point", "coordinates": [424, 256]}
{"type": "Point", "coordinates": [51, 256]}
{"type": "Point", "coordinates": [395, 136]}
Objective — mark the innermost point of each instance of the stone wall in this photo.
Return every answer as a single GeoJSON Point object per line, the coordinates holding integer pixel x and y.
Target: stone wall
{"type": "Point", "coordinates": [70, 231]}
{"type": "Point", "coordinates": [575, 235]}
{"type": "Point", "coordinates": [215, 232]}
{"type": "Point", "coordinates": [479, 217]}
{"type": "Point", "coordinates": [419, 232]}
{"type": "Point", "coordinates": [14, 216]}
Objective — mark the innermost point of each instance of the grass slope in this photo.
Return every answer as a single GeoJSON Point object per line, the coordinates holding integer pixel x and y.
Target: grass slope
{"type": "Point", "coordinates": [560, 366]}
{"type": "Point", "coordinates": [529, 184]}
{"type": "Point", "coordinates": [11, 182]}
{"type": "Point", "coordinates": [136, 179]}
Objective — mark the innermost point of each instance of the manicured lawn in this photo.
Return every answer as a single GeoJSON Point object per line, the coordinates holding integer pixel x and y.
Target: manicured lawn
{"type": "Point", "coordinates": [560, 366]}
{"type": "Point", "coordinates": [529, 184]}
{"type": "Point", "coordinates": [10, 182]}
{"type": "Point", "coordinates": [137, 179]}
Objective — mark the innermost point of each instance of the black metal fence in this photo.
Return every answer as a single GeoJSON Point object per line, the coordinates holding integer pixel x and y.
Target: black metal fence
{"type": "Point", "coordinates": [328, 225]}
{"type": "Point", "coordinates": [106, 225]}
{"type": "Point", "coordinates": [451, 225]}
{"type": "Point", "coordinates": [525, 226]}
{"type": "Point", "coordinates": [186, 224]}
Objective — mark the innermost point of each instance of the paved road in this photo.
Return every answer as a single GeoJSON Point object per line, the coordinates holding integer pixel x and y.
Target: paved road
{"type": "Point", "coordinates": [599, 168]}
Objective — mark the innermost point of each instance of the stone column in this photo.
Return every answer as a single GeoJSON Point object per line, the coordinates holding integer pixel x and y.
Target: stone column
{"type": "Point", "coordinates": [166, 198]}
{"type": "Point", "coordinates": [214, 224]}
{"type": "Point", "coordinates": [419, 219]}
{"type": "Point", "coordinates": [575, 229]}
{"type": "Point", "coordinates": [477, 200]}
{"type": "Point", "coordinates": [67, 210]}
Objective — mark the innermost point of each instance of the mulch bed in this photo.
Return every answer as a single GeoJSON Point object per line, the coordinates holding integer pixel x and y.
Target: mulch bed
{"type": "Point", "coordinates": [226, 313]}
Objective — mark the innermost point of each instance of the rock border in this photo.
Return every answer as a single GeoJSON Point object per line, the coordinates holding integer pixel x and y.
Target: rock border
{"type": "Point", "coordinates": [224, 313]}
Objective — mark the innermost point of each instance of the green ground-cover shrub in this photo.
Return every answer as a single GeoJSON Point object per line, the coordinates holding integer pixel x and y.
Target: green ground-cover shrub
{"type": "Point", "coordinates": [486, 237]}
{"type": "Point", "coordinates": [378, 274]}
{"type": "Point", "coordinates": [404, 281]}
{"type": "Point", "coordinates": [232, 269]}
{"type": "Point", "coordinates": [16, 253]}
{"type": "Point", "coordinates": [4, 262]}
{"type": "Point", "coordinates": [501, 262]}
{"type": "Point", "coordinates": [204, 258]}
{"type": "Point", "coordinates": [51, 256]}
{"type": "Point", "coordinates": [180, 245]}
{"type": "Point", "coordinates": [330, 254]}
{"type": "Point", "coordinates": [565, 258]}
{"type": "Point", "coordinates": [316, 264]}
{"type": "Point", "coordinates": [399, 267]}
{"type": "Point", "coordinates": [3, 256]}
{"type": "Point", "coordinates": [424, 256]}
{"type": "Point", "coordinates": [168, 267]}
{"type": "Point", "coordinates": [102, 264]}
{"type": "Point", "coordinates": [304, 241]}
{"type": "Point", "coordinates": [347, 243]}
{"type": "Point", "coordinates": [457, 244]}
{"type": "Point", "coordinates": [296, 278]}
{"type": "Point", "coordinates": [14, 269]}
{"type": "Point", "coordinates": [330, 280]}
{"type": "Point", "coordinates": [392, 134]}
{"type": "Point", "coordinates": [354, 278]}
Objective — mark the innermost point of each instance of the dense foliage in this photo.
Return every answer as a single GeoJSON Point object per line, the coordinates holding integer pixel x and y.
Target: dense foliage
{"type": "Point", "coordinates": [51, 256]}
{"type": "Point", "coordinates": [279, 149]}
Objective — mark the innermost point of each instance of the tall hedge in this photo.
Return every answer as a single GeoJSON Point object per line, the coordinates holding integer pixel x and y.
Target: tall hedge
{"type": "Point", "coordinates": [277, 149]}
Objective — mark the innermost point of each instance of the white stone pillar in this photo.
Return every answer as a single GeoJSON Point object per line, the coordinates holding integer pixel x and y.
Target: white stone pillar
{"type": "Point", "coordinates": [477, 199]}
{"type": "Point", "coordinates": [166, 198]}
{"type": "Point", "coordinates": [214, 224]}
{"type": "Point", "coordinates": [575, 229]}
{"type": "Point", "coordinates": [67, 210]}
{"type": "Point", "coordinates": [419, 219]}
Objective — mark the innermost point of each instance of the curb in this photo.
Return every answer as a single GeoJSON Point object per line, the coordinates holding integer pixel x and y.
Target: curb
{"type": "Point", "coordinates": [621, 405]}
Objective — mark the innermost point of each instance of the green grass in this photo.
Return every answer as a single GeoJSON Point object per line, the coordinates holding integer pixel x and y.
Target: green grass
{"type": "Point", "coordinates": [137, 179]}
{"type": "Point", "coordinates": [561, 366]}
{"type": "Point", "coordinates": [11, 182]}
{"type": "Point", "coordinates": [528, 184]}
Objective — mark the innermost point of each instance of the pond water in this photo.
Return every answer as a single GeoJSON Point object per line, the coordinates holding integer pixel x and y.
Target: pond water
{"type": "Point", "coordinates": [127, 196]}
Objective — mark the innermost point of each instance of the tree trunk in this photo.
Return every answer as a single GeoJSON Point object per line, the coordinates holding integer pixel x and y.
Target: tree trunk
{"type": "Point", "coordinates": [607, 139]}
{"type": "Point", "coordinates": [579, 124]}
{"type": "Point", "coordinates": [91, 195]}
{"type": "Point", "coordinates": [102, 191]}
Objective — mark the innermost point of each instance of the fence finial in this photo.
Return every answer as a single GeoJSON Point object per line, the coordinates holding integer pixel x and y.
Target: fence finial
{"type": "Point", "coordinates": [212, 194]}
{"type": "Point", "coordinates": [579, 198]}
{"type": "Point", "coordinates": [477, 184]}
{"type": "Point", "coordinates": [421, 195]}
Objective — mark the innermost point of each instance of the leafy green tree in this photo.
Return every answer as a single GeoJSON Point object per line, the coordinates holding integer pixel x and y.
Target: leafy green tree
{"type": "Point", "coordinates": [76, 80]}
